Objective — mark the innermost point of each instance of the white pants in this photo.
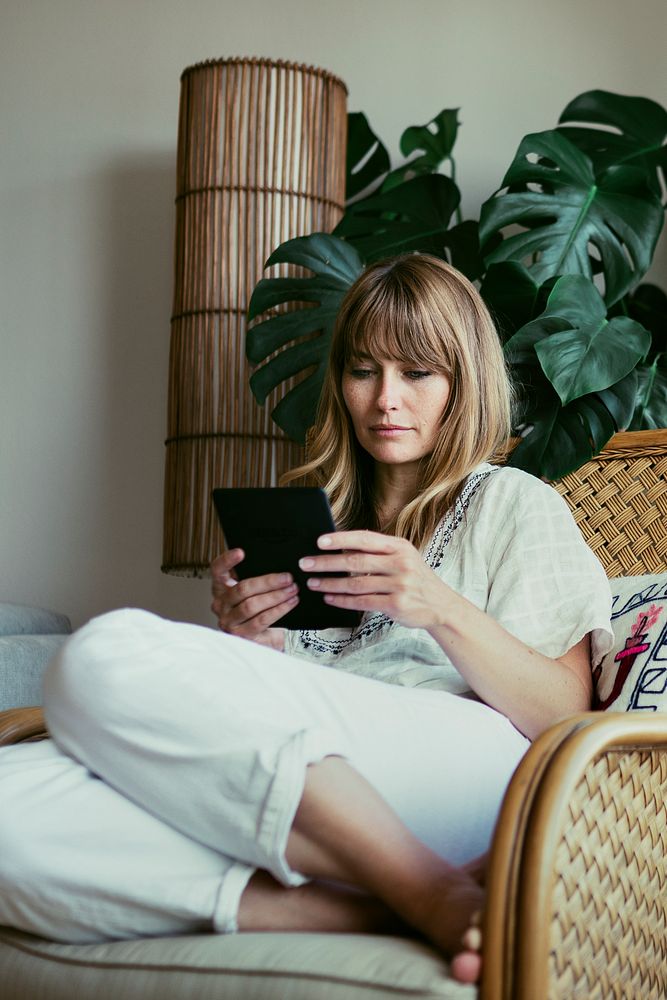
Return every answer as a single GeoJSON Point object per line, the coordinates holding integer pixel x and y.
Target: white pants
{"type": "Point", "coordinates": [202, 742]}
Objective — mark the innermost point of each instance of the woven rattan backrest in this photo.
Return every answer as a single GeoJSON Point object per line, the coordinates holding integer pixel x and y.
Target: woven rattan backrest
{"type": "Point", "coordinates": [607, 934]}
{"type": "Point", "coordinates": [619, 501]}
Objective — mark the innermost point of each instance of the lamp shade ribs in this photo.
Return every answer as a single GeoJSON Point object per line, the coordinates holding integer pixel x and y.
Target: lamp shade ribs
{"type": "Point", "coordinates": [261, 159]}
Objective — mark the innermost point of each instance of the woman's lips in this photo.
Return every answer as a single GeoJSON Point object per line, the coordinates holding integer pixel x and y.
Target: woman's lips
{"type": "Point", "coordinates": [389, 431]}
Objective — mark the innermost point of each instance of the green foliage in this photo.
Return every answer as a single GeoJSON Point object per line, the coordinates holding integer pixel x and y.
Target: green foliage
{"type": "Point", "coordinates": [586, 386]}
{"type": "Point", "coordinates": [335, 265]}
{"type": "Point", "coordinates": [413, 215]}
{"type": "Point", "coordinates": [631, 131]}
{"type": "Point", "coordinates": [559, 252]}
{"type": "Point", "coordinates": [651, 399]}
{"type": "Point", "coordinates": [367, 159]}
{"type": "Point", "coordinates": [573, 221]}
{"type": "Point", "coordinates": [578, 348]}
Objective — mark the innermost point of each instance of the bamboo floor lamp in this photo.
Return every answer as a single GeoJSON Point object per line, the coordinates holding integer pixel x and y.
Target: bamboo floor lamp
{"type": "Point", "coordinates": [261, 159]}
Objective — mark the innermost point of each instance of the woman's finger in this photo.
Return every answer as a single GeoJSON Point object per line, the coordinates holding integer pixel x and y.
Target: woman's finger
{"type": "Point", "coordinates": [222, 575]}
{"type": "Point", "coordinates": [255, 585]}
{"type": "Point", "coordinates": [260, 605]}
{"type": "Point", "coordinates": [355, 562]}
{"type": "Point", "coordinates": [361, 541]}
{"type": "Point", "coordinates": [238, 607]}
{"type": "Point", "coordinates": [225, 562]}
{"type": "Point", "coordinates": [365, 584]}
{"type": "Point", "coordinates": [231, 592]}
{"type": "Point", "coordinates": [263, 615]}
{"type": "Point", "coordinates": [361, 602]}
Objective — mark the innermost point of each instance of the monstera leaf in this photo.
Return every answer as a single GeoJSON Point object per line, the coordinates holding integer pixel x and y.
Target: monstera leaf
{"type": "Point", "coordinates": [367, 159]}
{"type": "Point", "coordinates": [651, 410]}
{"type": "Point", "coordinates": [367, 166]}
{"type": "Point", "coordinates": [433, 143]}
{"type": "Point", "coordinates": [564, 209]}
{"type": "Point", "coordinates": [593, 352]}
{"type": "Point", "coordinates": [648, 305]}
{"type": "Point", "coordinates": [335, 265]}
{"type": "Point", "coordinates": [630, 131]}
{"type": "Point", "coordinates": [510, 293]}
{"type": "Point", "coordinates": [412, 216]}
{"type": "Point", "coordinates": [577, 370]}
{"type": "Point", "coordinates": [561, 439]}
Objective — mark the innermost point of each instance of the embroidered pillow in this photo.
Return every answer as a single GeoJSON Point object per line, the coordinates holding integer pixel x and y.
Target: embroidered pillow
{"type": "Point", "coordinates": [633, 674]}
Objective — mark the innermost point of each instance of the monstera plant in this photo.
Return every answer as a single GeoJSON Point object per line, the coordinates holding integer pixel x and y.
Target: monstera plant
{"type": "Point", "coordinates": [559, 253]}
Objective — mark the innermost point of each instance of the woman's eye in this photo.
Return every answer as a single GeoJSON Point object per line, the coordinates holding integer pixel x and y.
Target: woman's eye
{"type": "Point", "coordinates": [416, 375]}
{"type": "Point", "coordinates": [360, 372]}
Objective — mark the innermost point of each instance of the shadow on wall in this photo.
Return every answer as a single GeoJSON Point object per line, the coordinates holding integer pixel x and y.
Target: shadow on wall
{"type": "Point", "coordinates": [137, 241]}
{"type": "Point", "coordinates": [139, 235]}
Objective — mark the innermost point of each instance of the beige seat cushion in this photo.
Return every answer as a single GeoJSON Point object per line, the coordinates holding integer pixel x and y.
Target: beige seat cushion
{"type": "Point", "coordinates": [232, 967]}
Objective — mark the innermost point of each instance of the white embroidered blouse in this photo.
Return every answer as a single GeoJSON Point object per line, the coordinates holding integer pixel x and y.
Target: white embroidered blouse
{"type": "Point", "coordinates": [510, 546]}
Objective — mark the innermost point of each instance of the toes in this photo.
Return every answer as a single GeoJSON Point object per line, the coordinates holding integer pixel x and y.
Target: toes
{"type": "Point", "coordinates": [466, 967]}
{"type": "Point", "coordinates": [472, 939]}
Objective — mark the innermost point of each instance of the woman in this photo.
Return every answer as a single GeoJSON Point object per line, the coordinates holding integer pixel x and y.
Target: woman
{"type": "Point", "coordinates": [482, 611]}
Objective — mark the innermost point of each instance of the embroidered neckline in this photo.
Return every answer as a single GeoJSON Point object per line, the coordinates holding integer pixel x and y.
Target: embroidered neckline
{"type": "Point", "coordinates": [377, 621]}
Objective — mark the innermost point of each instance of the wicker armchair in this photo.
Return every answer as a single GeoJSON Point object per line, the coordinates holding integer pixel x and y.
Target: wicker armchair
{"type": "Point", "coordinates": [577, 891]}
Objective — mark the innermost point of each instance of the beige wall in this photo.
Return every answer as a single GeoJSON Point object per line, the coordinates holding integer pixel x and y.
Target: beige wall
{"type": "Point", "coordinates": [88, 105]}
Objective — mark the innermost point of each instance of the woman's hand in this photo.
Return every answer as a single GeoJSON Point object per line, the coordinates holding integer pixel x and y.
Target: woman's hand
{"type": "Point", "coordinates": [387, 574]}
{"type": "Point", "coordinates": [248, 608]}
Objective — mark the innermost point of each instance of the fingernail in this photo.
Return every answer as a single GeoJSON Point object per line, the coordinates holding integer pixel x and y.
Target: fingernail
{"type": "Point", "coordinates": [313, 583]}
{"type": "Point", "coordinates": [286, 578]}
{"type": "Point", "coordinates": [324, 542]}
{"type": "Point", "coordinates": [306, 563]}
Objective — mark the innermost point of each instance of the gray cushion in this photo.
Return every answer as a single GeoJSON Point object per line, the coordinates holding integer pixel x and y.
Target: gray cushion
{"type": "Point", "coordinates": [19, 619]}
{"type": "Point", "coordinates": [227, 967]}
{"type": "Point", "coordinates": [23, 659]}
{"type": "Point", "coordinates": [28, 639]}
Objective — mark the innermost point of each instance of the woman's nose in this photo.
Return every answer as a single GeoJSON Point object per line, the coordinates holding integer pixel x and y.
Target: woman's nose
{"type": "Point", "coordinates": [388, 394]}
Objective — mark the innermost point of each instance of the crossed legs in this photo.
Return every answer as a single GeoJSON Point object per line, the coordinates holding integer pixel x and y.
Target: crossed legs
{"type": "Point", "coordinates": [294, 769]}
{"type": "Point", "coordinates": [343, 831]}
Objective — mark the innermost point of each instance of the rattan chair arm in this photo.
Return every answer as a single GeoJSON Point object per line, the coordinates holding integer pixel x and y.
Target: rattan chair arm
{"type": "Point", "coordinates": [21, 724]}
{"type": "Point", "coordinates": [600, 778]}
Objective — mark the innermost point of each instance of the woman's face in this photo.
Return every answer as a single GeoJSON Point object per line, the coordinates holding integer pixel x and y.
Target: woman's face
{"type": "Point", "coordinates": [396, 408]}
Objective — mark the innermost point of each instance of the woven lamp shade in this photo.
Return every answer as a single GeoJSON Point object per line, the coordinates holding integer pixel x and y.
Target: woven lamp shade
{"type": "Point", "coordinates": [261, 159]}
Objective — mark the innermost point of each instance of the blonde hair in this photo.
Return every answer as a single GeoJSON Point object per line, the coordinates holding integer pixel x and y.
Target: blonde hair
{"type": "Point", "coordinates": [415, 309]}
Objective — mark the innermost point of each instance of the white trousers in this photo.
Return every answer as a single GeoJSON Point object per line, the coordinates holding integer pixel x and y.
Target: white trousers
{"type": "Point", "coordinates": [180, 762]}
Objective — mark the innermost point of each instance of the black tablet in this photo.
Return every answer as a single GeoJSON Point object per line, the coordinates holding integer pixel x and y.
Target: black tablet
{"type": "Point", "coordinates": [275, 527]}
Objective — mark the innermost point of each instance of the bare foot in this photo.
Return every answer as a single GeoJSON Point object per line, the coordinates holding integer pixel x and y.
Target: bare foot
{"type": "Point", "coordinates": [449, 915]}
{"type": "Point", "coordinates": [344, 831]}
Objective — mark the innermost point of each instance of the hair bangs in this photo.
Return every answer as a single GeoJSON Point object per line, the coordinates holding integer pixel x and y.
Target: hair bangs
{"type": "Point", "coordinates": [396, 329]}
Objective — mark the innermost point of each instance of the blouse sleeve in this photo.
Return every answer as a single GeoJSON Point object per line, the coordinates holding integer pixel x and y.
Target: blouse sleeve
{"type": "Point", "coordinates": [545, 585]}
